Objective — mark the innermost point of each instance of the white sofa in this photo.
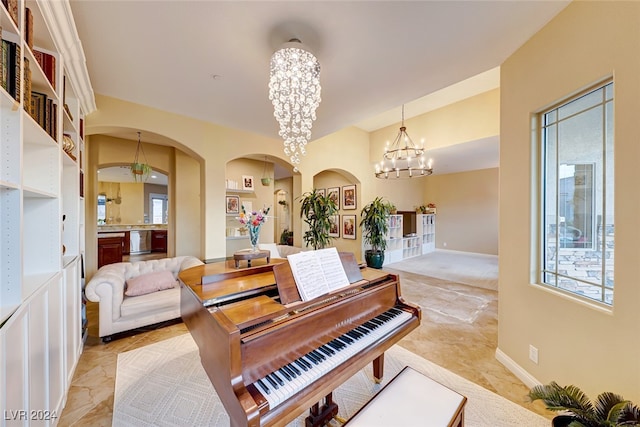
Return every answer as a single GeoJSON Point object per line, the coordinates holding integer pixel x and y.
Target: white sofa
{"type": "Point", "coordinates": [119, 312]}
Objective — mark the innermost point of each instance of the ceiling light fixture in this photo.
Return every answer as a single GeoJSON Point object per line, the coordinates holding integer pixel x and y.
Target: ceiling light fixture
{"type": "Point", "coordinates": [294, 91]}
{"type": "Point", "coordinates": [403, 159]}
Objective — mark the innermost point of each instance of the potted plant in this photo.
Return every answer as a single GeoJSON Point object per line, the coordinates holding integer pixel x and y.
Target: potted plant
{"type": "Point", "coordinates": [609, 409]}
{"type": "Point", "coordinates": [286, 238]}
{"type": "Point", "coordinates": [375, 225]}
{"type": "Point", "coordinates": [140, 171]}
{"type": "Point", "coordinates": [316, 209]}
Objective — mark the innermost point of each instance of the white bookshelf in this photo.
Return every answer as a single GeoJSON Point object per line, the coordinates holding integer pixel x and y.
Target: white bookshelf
{"type": "Point", "coordinates": [401, 247]}
{"type": "Point", "coordinates": [41, 296]}
{"type": "Point", "coordinates": [426, 229]}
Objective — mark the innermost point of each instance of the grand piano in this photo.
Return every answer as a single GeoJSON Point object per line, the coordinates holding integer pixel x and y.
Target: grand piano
{"type": "Point", "coordinates": [269, 355]}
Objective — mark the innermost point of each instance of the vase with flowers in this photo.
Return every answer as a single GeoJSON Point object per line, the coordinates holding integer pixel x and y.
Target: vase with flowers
{"type": "Point", "coordinates": [253, 221]}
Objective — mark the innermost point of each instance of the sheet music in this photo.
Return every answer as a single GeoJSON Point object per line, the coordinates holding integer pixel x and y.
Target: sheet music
{"type": "Point", "coordinates": [317, 272]}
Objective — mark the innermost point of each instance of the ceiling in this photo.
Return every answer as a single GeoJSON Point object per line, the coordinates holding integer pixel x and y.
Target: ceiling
{"type": "Point", "coordinates": [210, 59]}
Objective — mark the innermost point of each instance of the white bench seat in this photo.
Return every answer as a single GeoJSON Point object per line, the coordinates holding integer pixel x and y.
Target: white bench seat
{"type": "Point", "coordinates": [412, 399]}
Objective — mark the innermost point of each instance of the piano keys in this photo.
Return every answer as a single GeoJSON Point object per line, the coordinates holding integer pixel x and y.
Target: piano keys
{"type": "Point", "coordinates": [280, 385]}
{"type": "Point", "coordinates": [271, 357]}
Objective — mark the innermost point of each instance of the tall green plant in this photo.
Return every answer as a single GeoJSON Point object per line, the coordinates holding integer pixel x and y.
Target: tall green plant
{"type": "Point", "coordinates": [375, 223]}
{"type": "Point", "coordinates": [608, 409]}
{"type": "Point", "coordinates": [316, 210]}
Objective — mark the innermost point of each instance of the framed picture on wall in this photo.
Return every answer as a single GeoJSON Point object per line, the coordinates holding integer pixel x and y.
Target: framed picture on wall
{"type": "Point", "coordinates": [247, 182]}
{"type": "Point", "coordinates": [349, 197]}
{"type": "Point", "coordinates": [320, 191]}
{"type": "Point", "coordinates": [233, 204]}
{"type": "Point", "coordinates": [334, 194]}
{"type": "Point", "coordinates": [334, 229]}
{"type": "Point", "coordinates": [349, 227]}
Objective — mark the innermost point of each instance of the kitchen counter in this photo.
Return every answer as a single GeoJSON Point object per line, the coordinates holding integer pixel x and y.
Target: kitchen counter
{"type": "Point", "coordinates": [118, 228]}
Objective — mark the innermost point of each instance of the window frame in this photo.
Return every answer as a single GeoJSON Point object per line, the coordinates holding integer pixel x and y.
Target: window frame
{"type": "Point", "coordinates": [599, 238]}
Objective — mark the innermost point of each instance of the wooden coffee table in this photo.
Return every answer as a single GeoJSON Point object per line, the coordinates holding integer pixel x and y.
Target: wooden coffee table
{"type": "Point", "coordinates": [248, 255]}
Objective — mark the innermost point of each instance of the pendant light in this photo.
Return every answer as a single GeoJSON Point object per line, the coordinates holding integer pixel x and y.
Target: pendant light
{"type": "Point", "coordinates": [403, 159]}
{"type": "Point", "coordinates": [140, 170]}
{"type": "Point", "coordinates": [266, 180]}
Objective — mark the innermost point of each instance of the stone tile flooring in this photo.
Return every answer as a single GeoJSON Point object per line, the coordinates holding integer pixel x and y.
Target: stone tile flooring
{"type": "Point", "coordinates": [458, 332]}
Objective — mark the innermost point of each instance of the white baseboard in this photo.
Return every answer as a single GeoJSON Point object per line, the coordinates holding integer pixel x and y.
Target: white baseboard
{"type": "Point", "coordinates": [517, 370]}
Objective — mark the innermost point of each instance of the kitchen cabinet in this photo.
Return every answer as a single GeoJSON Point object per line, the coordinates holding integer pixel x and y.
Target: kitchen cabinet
{"type": "Point", "coordinates": [159, 241]}
{"type": "Point", "coordinates": [126, 243]}
{"type": "Point", "coordinates": [110, 249]}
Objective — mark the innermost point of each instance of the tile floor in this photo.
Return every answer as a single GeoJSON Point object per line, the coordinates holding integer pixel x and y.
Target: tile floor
{"type": "Point", "coordinates": [458, 332]}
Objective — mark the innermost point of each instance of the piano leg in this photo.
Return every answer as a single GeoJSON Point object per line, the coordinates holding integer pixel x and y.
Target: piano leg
{"type": "Point", "coordinates": [378, 368]}
{"type": "Point", "coordinates": [320, 416]}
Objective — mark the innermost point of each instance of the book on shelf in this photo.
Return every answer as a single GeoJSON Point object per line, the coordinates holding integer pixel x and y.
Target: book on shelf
{"type": "Point", "coordinates": [47, 116]}
{"type": "Point", "coordinates": [68, 111]}
{"type": "Point", "coordinates": [45, 112]}
{"type": "Point", "coordinates": [2, 61]}
{"type": "Point", "coordinates": [318, 272]}
{"type": "Point", "coordinates": [38, 104]}
{"type": "Point", "coordinates": [27, 86]}
{"type": "Point", "coordinates": [29, 28]}
{"type": "Point", "coordinates": [47, 63]}
{"type": "Point", "coordinates": [12, 8]}
{"type": "Point", "coordinates": [11, 75]}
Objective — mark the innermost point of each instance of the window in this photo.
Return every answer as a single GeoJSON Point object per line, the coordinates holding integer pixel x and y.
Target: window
{"type": "Point", "coordinates": [159, 208]}
{"type": "Point", "coordinates": [102, 209]}
{"type": "Point", "coordinates": [577, 229]}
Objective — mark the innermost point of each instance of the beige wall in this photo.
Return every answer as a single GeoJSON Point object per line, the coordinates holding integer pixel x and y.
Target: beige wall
{"type": "Point", "coordinates": [579, 343]}
{"type": "Point", "coordinates": [467, 210]}
{"type": "Point", "coordinates": [350, 152]}
{"type": "Point", "coordinates": [283, 213]}
{"type": "Point", "coordinates": [467, 203]}
{"type": "Point", "coordinates": [184, 206]}
{"type": "Point", "coordinates": [330, 179]}
{"type": "Point", "coordinates": [187, 208]}
{"type": "Point", "coordinates": [260, 198]}
{"type": "Point", "coordinates": [130, 207]}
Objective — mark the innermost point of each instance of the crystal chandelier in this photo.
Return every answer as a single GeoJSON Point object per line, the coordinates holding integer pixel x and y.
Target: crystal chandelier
{"type": "Point", "coordinates": [403, 159]}
{"type": "Point", "coordinates": [294, 91]}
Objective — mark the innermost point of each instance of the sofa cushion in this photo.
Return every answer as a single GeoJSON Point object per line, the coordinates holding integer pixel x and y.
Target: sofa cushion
{"type": "Point", "coordinates": [144, 305]}
{"type": "Point", "coordinates": [150, 282]}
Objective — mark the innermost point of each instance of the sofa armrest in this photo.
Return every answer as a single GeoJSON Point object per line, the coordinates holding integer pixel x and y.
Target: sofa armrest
{"type": "Point", "coordinates": [285, 250]}
{"type": "Point", "coordinates": [107, 287]}
{"type": "Point", "coordinates": [190, 261]}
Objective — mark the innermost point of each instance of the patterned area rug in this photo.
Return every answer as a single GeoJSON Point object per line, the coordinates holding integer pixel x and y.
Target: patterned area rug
{"type": "Point", "coordinates": [164, 384]}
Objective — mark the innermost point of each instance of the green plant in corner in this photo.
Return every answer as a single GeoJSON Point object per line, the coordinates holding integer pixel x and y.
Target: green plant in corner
{"type": "Point", "coordinates": [609, 409]}
{"type": "Point", "coordinates": [375, 226]}
{"type": "Point", "coordinates": [286, 236]}
{"type": "Point", "coordinates": [316, 209]}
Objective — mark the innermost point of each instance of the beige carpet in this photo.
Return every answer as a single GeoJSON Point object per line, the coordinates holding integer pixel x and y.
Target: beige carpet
{"type": "Point", "coordinates": [471, 269]}
{"type": "Point", "coordinates": [164, 384]}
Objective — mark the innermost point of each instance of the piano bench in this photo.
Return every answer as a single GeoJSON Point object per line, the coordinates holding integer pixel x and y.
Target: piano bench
{"type": "Point", "coordinates": [412, 399]}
